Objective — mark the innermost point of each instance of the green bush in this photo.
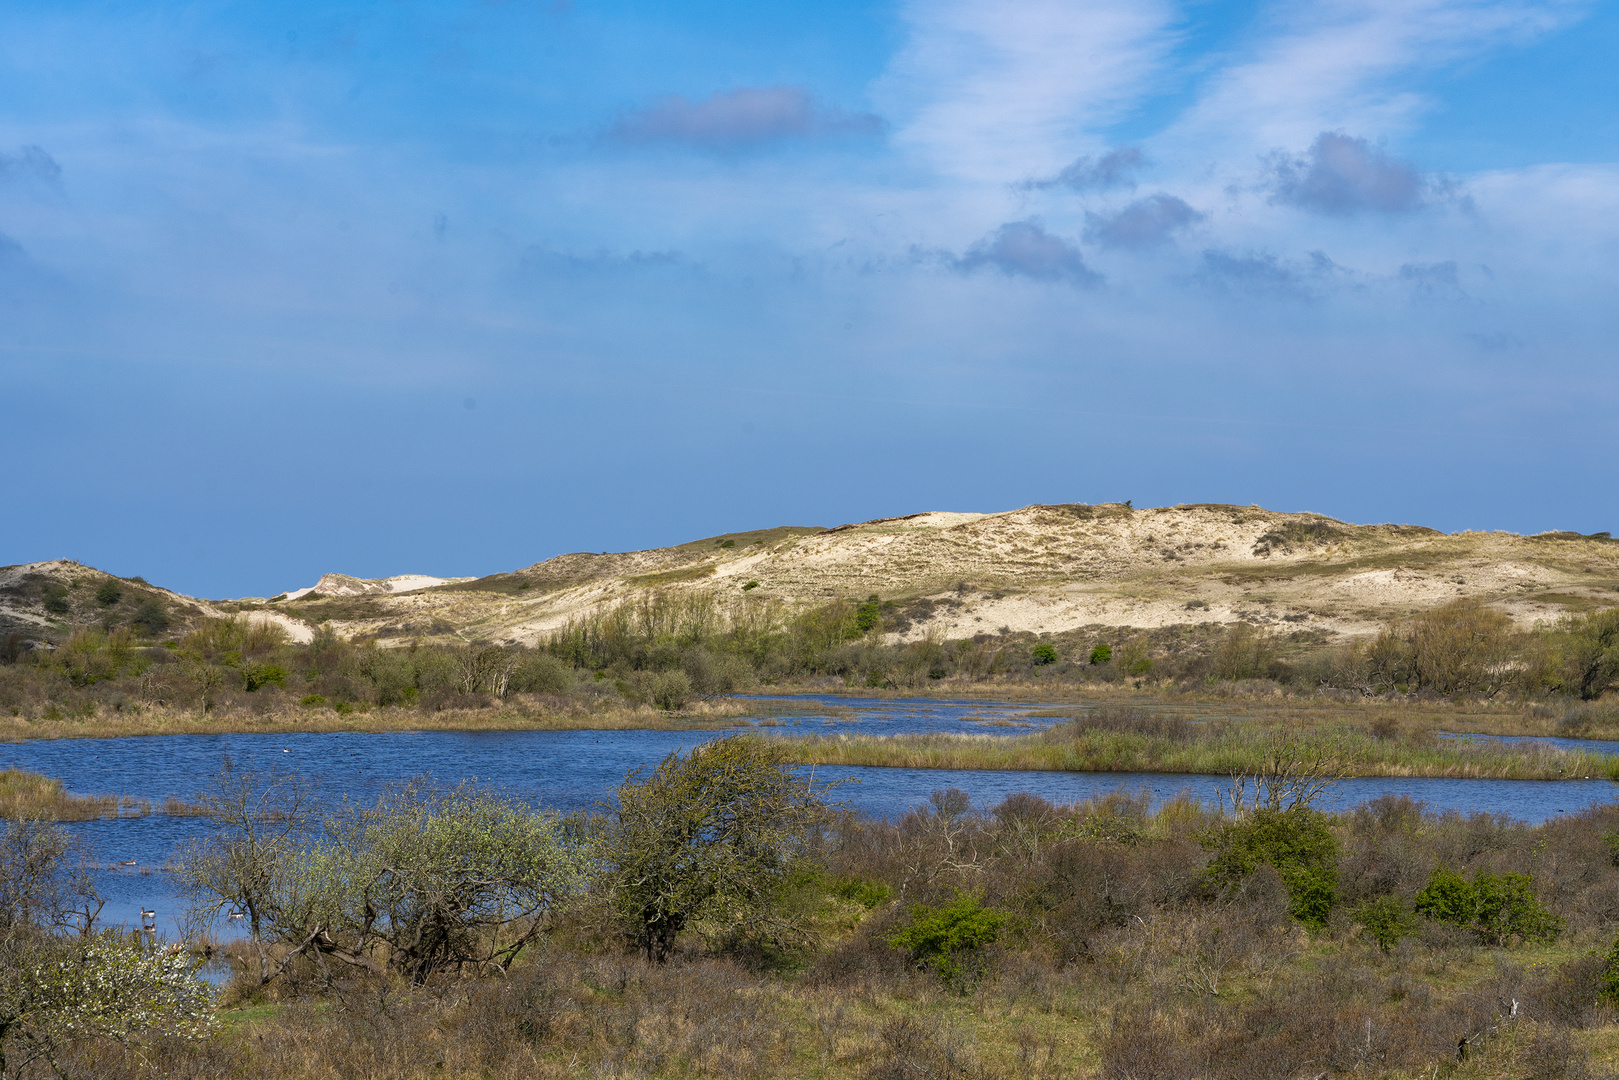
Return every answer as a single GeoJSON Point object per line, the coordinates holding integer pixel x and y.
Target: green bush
{"type": "Point", "coordinates": [1386, 920]}
{"type": "Point", "coordinates": [750, 585]}
{"type": "Point", "coordinates": [313, 701]}
{"type": "Point", "coordinates": [858, 890]}
{"type": "Point", "coordinates": [55, 599]}
{"type": "Point", "coordinates": [869, 615]}
{"type": "Point", "coordinates": [1494, 907]}
{"type": "Point", "coordinates": [671, 690]}
{"type": "Point", "coordinates": [1102, 654]}
{"type": "Point", "coordinates": [150, 617]}
{"type": "Point", "coordinates": [109, 593]}
{"type": "Point", "coordinates": [949, 939]}
{"type": "Point", "coordinates": [1045, 653]}
{"type": "Point", "coordinates": [1298, 842]}
{"type": "Point", "coordinates": [257, 675]}
{"type": "Point", "coordinates": [542, 673]}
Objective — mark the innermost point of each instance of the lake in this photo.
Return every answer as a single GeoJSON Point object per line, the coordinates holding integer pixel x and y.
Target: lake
{"type": "Point", "coordinates": [568, 770]}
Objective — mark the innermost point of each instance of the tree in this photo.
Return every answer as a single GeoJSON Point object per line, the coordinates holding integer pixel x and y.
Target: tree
{"type": "Point", "coordinates": [55, 993]}
{"type": "Point", "coordinates": [1594, 652]}
{"type": "Point", "coordinates": [63, 983]}
{"type": "Point", "coordinates": [707, 838]}
{"type": "Point", "coordinates": [1460, 647]}
{"type": "Point", "coordinates": [260, 822]}
{"type": "Point", "coordinates": [435, 880]}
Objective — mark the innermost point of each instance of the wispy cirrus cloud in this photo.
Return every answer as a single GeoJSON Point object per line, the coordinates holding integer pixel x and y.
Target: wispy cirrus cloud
{"type": "Point", "coordinates": [1026, 249]}
{"type": "Point", "coordinates": [734, 119]}
{"type": "Point", "coordinates": [1328, 64]}
{"type": "Point", "coordinates": [1001, 90]}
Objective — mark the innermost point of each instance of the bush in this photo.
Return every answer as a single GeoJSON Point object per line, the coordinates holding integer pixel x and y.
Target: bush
{"type": "Point", "coordinates": [1460, 647]}
{"type": "Point", "coordinates": [1494, 907]}
{"type": "Point", "coordinates": [257, 675]}
{"type": "Point", "coordinates": [670, 690]}
{"type": "Point", "coordinates": [707, 839]}
{"type": "Point", "coordinates": [55, 599]}
{"type": "Point", "coordinates": [869, 615]}
{"type": "Point", "coordinates": [109, 593]}
{"type": "Point", "coordinates": [1298, 842]}
{"type": "Point", "coordinates": [150, 617]}
{"type": "Point", "coordinates": [1044, 653]}
{"type": "Point", "coordinates": [1102, 654]}
{"type": "Point", "coordinates": [1386, 920]}
{"type": "Point", "coordinates": [949, 939]}
{"type": "Point", "coordinates": [541, 673]}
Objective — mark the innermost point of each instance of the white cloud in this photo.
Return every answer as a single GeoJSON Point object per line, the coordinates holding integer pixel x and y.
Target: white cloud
{"type": "Point", "coordinates": [1000, 90]}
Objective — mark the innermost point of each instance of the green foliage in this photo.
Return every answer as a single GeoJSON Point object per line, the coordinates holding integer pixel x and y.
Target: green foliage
{"type": "Point", "coordinates": [863, 891]}
{"type": "Point", "coordinates": [750, 585]}
{"type": "Point", "coordinates": [1593, 652]}
{"type": "Point", "coordinates": [706, 841]}
{"type": "Point", "coordinates": [150, 617]}
{"type": "Point", "coordinates": [1386, 920]}
{"type": "Point", "coordinates": [869, 615]}
{"type": "Point", "coordinates": [54, 597]}
{"type": "Point", "coordinates": [1102, 654]}
{"type": "Point", "coordinates": [1297, 841]}
{"type": "Point", "coordinates": [1610, 976]}
{"type": "Point", "coordinates": [1044, 653]}
{"type": "Point", "coordinates": [434, 879]}
{"type": "Point", "coordinates": [1134, 659]}
{"type": "Point", "coordinates": [1495, 907]}
{"type": "Point", "coordinates": [255, 675]}
{"type": "Point", "coordinates": [948, 939]}
{"type": "Point", "coordinates": [312, 701]}
{"type": "Point", "coordinates": [109, 593]}
{"type": "Point", "coordinates": [670, 690]}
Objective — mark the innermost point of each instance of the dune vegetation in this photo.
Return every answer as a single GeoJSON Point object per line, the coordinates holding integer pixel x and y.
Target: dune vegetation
{"type": "Point", "coordinates": [454, 933]}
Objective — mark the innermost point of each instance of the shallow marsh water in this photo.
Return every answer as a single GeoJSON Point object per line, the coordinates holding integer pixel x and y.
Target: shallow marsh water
{"type": "Point", "coordinates": [568, 770]}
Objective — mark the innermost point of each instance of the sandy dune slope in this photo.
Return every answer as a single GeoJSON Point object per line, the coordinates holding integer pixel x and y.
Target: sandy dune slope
{"type": "Point", "coordinates": [1039, 569]}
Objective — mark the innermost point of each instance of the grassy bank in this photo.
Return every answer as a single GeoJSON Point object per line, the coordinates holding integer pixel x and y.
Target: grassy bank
{"type": "Point", "coordinates": [156, 720]}
{"type": "Point", "coordinates": [1133, 740]}
{"type": "Point", "coordinates": [29, 796]}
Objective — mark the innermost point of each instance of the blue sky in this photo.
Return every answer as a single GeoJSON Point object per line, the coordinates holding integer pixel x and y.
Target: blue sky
{"type": "Point", "coordinates": [454, 287]}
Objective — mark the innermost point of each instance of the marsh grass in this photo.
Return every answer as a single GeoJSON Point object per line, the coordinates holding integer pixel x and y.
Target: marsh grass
{"type": "Point", "coordinates": [1128, 740]}
{"type": "Point", "coordinates": [157, 720]}
{"type": "Point", "coordinates": [29, 796]}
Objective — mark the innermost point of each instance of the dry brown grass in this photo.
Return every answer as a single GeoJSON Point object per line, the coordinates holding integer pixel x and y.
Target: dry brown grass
{"type": "Point", "coordinates": [158, 720]}
{"type": "Point", "coordinates": [29, 796]}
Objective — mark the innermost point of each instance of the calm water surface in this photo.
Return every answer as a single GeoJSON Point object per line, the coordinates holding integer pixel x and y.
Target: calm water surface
{"type": "Point", "coordinates": [567, 770]}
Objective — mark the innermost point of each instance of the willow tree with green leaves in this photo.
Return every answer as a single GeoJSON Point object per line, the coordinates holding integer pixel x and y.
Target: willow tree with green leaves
{"type": "Point", "coordinates": [708, 840]}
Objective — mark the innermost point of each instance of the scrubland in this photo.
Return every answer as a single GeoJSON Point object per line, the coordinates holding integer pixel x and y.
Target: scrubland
{"type": "Point", "coordinates": [1102, 939]}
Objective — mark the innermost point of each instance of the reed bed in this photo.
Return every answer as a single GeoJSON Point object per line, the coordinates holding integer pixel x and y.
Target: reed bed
{"type": "Point", "coordinates": [1135, 741]}
{"type": "Point", "coordinates": [110, 724]}
{"type": "Point", "coordinates": [26, 795]}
